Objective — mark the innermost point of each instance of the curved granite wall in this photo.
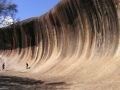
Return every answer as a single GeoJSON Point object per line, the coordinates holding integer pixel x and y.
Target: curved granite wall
{"type": "Point", "coordinates": [78, 40]}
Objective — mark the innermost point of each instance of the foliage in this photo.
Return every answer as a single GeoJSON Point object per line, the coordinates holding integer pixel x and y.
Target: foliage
{"type": "Point", "coordinates": [7, 12]}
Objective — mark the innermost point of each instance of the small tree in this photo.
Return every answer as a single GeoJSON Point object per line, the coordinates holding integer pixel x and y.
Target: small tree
{"type": "Point", "coordinates": [7, 12]}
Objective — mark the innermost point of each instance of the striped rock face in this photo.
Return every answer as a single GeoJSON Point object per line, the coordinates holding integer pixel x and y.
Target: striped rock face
{"type": "Point", "coordinates": [76, 41]}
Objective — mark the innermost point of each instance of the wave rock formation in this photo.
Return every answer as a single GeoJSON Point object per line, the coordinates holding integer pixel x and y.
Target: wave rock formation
{"type": "Point", "coordinates": [77, 40]}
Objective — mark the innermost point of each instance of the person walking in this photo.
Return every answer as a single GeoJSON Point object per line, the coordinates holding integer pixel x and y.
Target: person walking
{"type": "Point", "coordinates": [27, 66]}
{"type": "Point", "coordinates": [3, 66]}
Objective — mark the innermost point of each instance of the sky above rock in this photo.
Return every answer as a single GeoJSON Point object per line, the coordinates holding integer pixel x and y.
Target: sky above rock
{"type": "Point", "coordinates": [32, 8]}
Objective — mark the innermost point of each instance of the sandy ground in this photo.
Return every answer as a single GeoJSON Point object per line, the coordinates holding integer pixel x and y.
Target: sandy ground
{"type": "Point", "coordinates": [17, 83]}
